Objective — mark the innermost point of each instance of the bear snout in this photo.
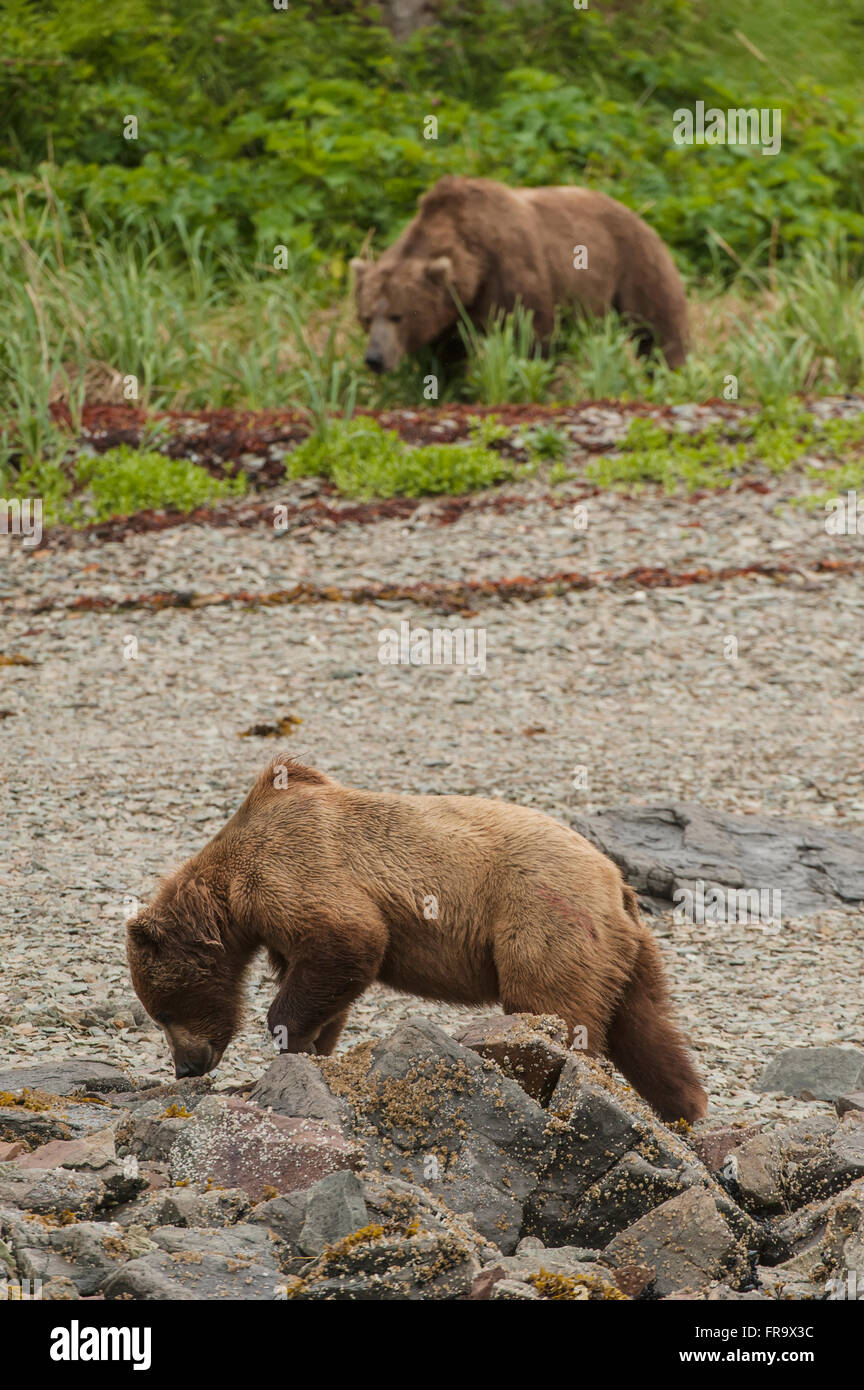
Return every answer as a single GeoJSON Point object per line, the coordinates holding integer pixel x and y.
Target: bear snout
{"type": "Point", "coordinates": [384, 345]}
{"type": "Point", "coordinates": [192, 1056]}
{"type": "Point", "coordinates": [182, 1069]}
{"type": "Point", "coordinates": [196, 1063]}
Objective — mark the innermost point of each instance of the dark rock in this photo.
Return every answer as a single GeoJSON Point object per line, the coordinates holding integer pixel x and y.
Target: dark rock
{"type": "Point", "coordinates": [715, 1293]}
{"type": "Point", "coordinates": [816, 1073]}
{"type": "Point", "coordinates": [438, 1112]}
{"type": "Point", "coordinates": [514, 1290]}
{"type": "Point", "coordinates": [820, 1247]}
{"type": "Point", "coordinates": [94, 1151]}
{"type": "Point", "coordinates": [783, 1168]}
{"type": "Point", "coordinates": [284, 1216]}
{"type": "Point", "coordinates": [396, 1241]}
{"type": "Point", "coordinates": [185, 1092]}
{"type": "Point", "coordinates": [596, 1123]}
{"type": "Point", "coordinates": [334, 1208]}
{"type": "Point", "coordinates": [150, 1137]}
{"type": "Point", "coordinates": [852, 1102]}
{"type": "Point", "coordinates": [634, 1280]}
{"type": "Point", "coordinates": [481, 1289]}
{"type": "Point", "coordinates": [494, 1213]}
{"type": "Point", "coordinates": [83, 1253]}
{"type": "Point", "coordinates": [37, 1118]}
{"type": "Point", "coordinates": [192, 1274]}
{"type": "Point", "coordinates": [427, 1266]}
{"type": "Point", "coordinates": [685, 1241]}
{"type": "Point", "coordinates": [185, 1206]}
{"type": "Point", "coordinates": [74, 1077]}
{"type": "Point", "coordinates": [665, 847]}
{"type": "Point", "coordinates": [86, 1252]}
{"type": "Point", "coordinates": [794, 1232]}
{"type": "Point", "coordinates": [631, 1188]}
{"type": "Point", "coordinates": [714, 1146]}
{"type": "Point", "coordinates": [58, 1290]}
{"type": "Point", "coordinates": [123, 1183]}
{"type": "Point", "coordinates": [243, 1241]}
{"type": "Point", "coordinates": [60, 1192]}
{"type": "Point", "coordinates": [560, 1274]}
{"type": "Point", "coordinates": [757, 1168]}
{"type": "Point", "coordinates": [293, 1085]}
{"type": "Point", "coordinates": [529, 1048]}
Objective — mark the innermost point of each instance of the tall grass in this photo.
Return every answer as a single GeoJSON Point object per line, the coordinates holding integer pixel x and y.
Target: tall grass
{"type": "Point", "coordinates": [505, 362]}
{"type": "Point", "coordinates": [192, 327]}
{"type": "Point", "coordinates": [823, 300]}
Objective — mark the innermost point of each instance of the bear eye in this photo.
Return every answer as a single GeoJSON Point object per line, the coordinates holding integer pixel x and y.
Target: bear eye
{"type": "Point", "coordinates": [395, 318]}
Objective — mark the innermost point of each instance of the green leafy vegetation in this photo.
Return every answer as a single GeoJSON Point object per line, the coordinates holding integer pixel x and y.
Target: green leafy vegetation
{"type": "Point", "coordinates": [364, 460]}
{"type": "Point", "coordinates": [244, 133]}
{"type": "Point", "coordinates": [197, 255]}
{"type": "Point", "coordinates": [830, 452]}
{"type": "Point", "coordinates": [118, 483]}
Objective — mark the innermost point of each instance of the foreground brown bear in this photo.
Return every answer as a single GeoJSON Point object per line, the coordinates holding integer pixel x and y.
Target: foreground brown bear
{"type": "Point", "coordinates": [495, 245]}
{"type": "Point", "coordinates": [454, 898]}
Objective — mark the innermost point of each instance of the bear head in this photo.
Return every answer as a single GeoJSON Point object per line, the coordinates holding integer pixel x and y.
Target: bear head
{"type": "Point", "coordinates": [187, 976]}
{"type": "Point", "coordinates": [405, 302]}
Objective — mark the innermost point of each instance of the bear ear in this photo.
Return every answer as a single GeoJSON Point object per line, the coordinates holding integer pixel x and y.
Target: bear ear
{"type": "Point", "coordinates": [440, 269]}
{"type": "Point", "coordinates": [144, 931]}
{"type": "Point", "coordinates": [358, 266]}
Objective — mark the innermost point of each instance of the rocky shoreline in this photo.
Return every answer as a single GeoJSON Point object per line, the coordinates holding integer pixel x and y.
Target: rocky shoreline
{"type": "Point", "coordinates": [498, 1166]}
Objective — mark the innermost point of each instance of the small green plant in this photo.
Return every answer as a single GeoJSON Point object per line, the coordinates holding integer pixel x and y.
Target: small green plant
{"type": "Point", "coordinates": [487, 430]}
{"type": "Point", "coordinates": [42, 478]}
{"type": "Point", "coordinates": [119, 482]}
{"type": "Point", "coordinates": [329, 384]}
{"type": "Point", "coordinates": [780, 438]}
{"type": "Point", "coordinates": [773, 363]}
{"type": "Point", "coordinates": [547, 442]}
{"type": "Point", "coordinates": [604, 361]}
{"type": "Point", "coordinates": [649, 453]}
{"type": "Point", "coordinates": [123, 481]}
{"type": "Point", "coordinates": [364, 460]}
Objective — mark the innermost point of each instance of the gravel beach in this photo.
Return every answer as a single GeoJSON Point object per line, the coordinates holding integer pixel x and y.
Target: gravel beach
{"type": "Point", "coordinates": [122, 750]}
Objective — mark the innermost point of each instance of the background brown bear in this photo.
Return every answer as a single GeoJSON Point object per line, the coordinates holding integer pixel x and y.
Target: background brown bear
{"type": "Point", "coordinates": [455, 898]}
{"type": "Point", "coordinates": [495, 246]}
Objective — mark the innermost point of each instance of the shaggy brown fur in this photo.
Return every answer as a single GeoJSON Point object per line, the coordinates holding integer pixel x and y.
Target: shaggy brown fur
{"type": "Point", "coordinates": [494, 245]}
{"type": "Point", "coordinates": [453, 898]}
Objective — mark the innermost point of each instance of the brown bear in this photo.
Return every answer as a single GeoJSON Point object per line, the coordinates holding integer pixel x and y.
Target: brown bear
{"type": "Point", "coordinates": [491, 246]}
{"type": "Point", "coordinates": [457, 898]}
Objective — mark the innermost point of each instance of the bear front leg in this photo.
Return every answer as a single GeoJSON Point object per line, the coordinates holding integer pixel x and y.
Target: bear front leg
{"type": "Point", "coordinates": [327, 1039]}
{"type": "Point", "coordinates": [282, 1024]}
{"type": "Point", "coordinates": [317, 989]}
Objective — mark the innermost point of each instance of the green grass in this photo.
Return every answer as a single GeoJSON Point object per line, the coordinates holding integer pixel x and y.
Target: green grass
{"type": "Point", "coordinates": [504, 363]}
{"type": "Point", "coordinates": [366, 461]}
{"type": "Point", "coordinates": [794, 39]}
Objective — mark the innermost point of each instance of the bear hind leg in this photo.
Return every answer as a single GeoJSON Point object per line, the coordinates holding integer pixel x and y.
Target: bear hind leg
{"type": "Point", "coordinates": [585, 1013]}
{"type": "Point", "coordinates": [644, 1044]}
